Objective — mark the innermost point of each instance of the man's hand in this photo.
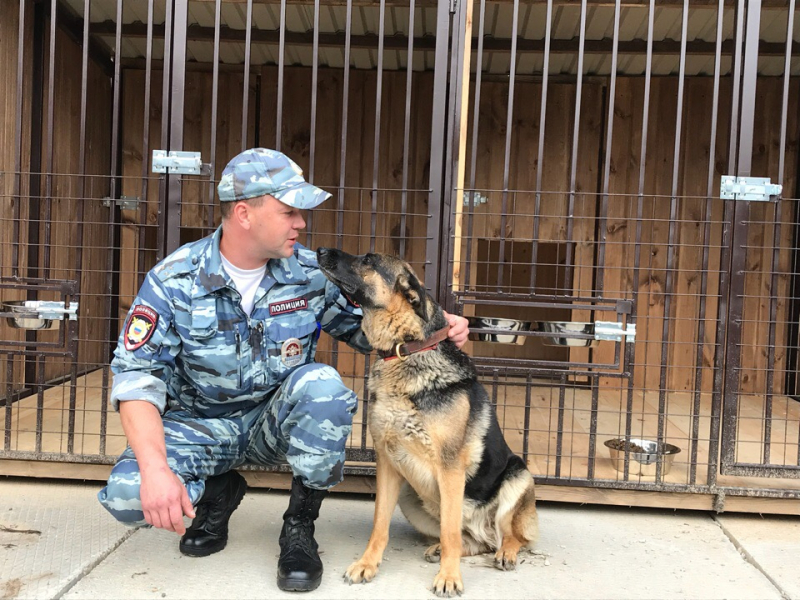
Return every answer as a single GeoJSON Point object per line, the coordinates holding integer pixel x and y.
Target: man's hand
{"type": "Point", "coordinates": [459, 329]}
{"type": "Point", "coordinates": [165, 500]}
{"type": "Point", "coordinates": [163, 495]}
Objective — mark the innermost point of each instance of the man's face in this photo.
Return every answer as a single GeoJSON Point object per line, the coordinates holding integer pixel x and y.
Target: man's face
{"type": "Point", "coordinates": [275, 227]}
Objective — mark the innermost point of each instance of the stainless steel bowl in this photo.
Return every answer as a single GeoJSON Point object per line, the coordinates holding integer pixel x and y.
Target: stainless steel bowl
{"type": "Point", "coordinates": [477, 325]}
{"type": "Point", "coordinates": [25, 317]}
{"type": "Point", "coordinates": [561, 329]}
{"type": "Point", "coordinates": [644, 455]}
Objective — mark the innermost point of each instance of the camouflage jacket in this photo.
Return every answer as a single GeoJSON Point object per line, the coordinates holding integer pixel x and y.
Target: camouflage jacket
{"type": "Point", "coordinates": [188, 344]}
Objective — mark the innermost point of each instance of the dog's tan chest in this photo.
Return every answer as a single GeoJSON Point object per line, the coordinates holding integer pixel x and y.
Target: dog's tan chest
{"type": "Point", "coordinates": [395, 423]}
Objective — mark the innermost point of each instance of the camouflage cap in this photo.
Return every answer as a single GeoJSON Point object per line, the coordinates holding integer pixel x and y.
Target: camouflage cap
{"type": "Point", "coordinates": [260, 171]}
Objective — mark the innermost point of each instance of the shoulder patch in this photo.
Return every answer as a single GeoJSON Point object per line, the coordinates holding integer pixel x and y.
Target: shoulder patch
{"type": "Point", "coordinates": [140, 327]}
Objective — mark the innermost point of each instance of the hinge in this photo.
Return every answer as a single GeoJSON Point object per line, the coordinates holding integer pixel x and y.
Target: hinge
{"type": "Point", "coordinates": [124, 202]}
{"type": "Point", "coordinates": [748, 189]}
{"type": "Point", "coordinates": [453, 4]}
{"type": "Point", "coordinates": [613, 331]}
{"type": "Point", "coordinates": [179, 163]}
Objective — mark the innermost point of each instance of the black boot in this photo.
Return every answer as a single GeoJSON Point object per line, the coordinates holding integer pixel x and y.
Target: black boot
{"type": "Point", "coordinates": [299, 566]}
{"type": "Point", "coordinates": [208, 532]}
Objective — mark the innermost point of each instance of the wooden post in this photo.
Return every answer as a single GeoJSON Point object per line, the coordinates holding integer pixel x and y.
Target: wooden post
{"type": "Point", "coordinates": [458, 199]}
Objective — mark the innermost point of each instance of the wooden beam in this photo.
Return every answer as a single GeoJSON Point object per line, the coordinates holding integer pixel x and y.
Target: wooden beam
{"type": "Point", "coordinates": [463, 127]}
{"type": "Point", "coordinates": [198, 33]}
{"type": "Point", "coordinates": [557, 3]}
{"type": "Point", "coordinates": [366, 485]}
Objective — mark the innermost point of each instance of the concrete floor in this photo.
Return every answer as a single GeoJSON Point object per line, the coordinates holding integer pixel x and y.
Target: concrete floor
{"type": "Point", "coordinates": [56, 541]}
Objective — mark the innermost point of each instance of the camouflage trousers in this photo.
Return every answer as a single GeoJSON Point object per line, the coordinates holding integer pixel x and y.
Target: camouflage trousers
{"type": "Point", "coordinates": [306, 423]}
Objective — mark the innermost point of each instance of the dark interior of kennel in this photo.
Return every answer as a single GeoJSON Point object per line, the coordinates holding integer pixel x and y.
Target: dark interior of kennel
{"type": "Point", "coordinates": [610, 212]}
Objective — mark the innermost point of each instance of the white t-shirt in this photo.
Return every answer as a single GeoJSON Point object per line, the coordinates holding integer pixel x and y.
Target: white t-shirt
{"type": "Point", "coordinates": [246, 282]}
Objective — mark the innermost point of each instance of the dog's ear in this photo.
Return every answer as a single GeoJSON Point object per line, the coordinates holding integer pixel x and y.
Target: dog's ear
{"type": "Point", "coordinates": [411, 288]}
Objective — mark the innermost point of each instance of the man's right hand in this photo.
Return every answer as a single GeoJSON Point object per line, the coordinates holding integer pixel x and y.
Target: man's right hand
{"type": "Point", "coordinates": [165, 500]}
{"type": "Point", "coordinates": [163, 495]}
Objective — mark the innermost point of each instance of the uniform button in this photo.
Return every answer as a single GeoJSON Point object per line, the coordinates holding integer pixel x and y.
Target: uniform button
{"type": "Point", "coordinates": [194, 260]}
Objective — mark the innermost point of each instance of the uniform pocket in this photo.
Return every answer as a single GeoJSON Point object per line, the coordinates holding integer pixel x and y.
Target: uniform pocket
{"type": "Point", "coordinates": [289, 343]}
{"type": "Point", "coordinates": [215, 359]}
{"type": "Point", "coordinates": [204, 321]}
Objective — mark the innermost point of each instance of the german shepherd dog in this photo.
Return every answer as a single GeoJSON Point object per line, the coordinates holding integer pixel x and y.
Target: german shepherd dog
{"type": "Point", "coordinates": [440, 451]}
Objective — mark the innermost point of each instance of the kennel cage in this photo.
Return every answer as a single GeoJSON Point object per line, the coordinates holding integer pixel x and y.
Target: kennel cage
{"type": "Point", "coordinates": [557, 163]}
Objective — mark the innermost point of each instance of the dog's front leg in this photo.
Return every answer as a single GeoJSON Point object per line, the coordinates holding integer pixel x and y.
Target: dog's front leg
{"type": "Point", "coordinates": [388, 481]}
{"type": "Point", "coordinates": [451, 492]}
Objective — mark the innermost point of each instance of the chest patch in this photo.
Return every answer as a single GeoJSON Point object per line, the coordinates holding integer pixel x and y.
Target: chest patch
{"type": "Point", "coordinates": [140, 327]}
{"type": "Point", "coordinates": [287, 306]}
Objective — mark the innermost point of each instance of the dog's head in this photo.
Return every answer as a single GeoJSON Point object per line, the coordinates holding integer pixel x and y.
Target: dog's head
{"type": "Point", "coordinates": [395, 304]}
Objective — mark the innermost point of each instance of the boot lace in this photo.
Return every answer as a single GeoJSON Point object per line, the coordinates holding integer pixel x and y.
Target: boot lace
{"type": "Point", "coordinates": [300, 535]}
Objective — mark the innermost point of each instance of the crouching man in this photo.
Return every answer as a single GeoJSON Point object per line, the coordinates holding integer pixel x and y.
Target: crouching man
{"type": "Point", "coordinates": [214, 369]}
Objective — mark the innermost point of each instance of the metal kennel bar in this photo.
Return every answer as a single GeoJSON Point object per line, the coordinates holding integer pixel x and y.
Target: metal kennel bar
{"type": "Point", "coordinates": [677, 364]}
{"type": "Point", "coordinates": [552, 162]}
{"type": "Point", "coordinates": [383, 201]}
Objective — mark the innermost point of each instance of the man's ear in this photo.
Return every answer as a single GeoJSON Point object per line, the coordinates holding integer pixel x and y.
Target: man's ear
{"type": "Point", "coordinates": [241, 212]}
{"type": "Point", "coordinates": [411, 288]}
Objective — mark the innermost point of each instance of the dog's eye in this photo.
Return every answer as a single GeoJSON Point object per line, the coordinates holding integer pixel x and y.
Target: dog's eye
{"type": "Point", "coordinates": [367, 260]}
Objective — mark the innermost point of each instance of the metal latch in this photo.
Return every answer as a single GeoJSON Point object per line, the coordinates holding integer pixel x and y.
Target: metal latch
{"type": "Point", "coordinates": [477, 199]}
{"type": "Point", "coordinates": [53, 310]}
{"type": "Point", "coordinates": [749, 189]}
{"type": "Point", "coordinates": [179, 162]}
{"type": "Point", "coordinates": [613, 331]}
{"type": "Point", "coordinates": [124, 202]}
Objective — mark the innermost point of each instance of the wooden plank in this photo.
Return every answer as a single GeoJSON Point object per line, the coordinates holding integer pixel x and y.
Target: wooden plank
{"type": "Point", "coordinates": [465, 50]}
{"type": "Point", "coordinates": [135, 259]}
{"type": "Point", "coordinates": [761, 241]}
{"type": "Point", "coordinates": [366, 485]}
{"type": "Point", "coordinates": [586, 208]}
{"type": "Point", "coordinates": [9, 47]}
{"type": "Point", "coordinates": [54, 470]}
{"type": "Point", "coordinates": [64, 199]}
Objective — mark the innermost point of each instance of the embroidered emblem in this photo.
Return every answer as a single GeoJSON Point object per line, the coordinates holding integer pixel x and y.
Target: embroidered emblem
{"type": "Point", "coordinates": [292, 352]}
{"type": "Point", "coordinates": [287, 306]}
{"type": "Point", "coordinates": [141, 325]}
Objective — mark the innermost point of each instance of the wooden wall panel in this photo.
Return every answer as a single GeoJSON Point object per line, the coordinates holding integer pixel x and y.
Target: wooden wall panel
{"type": "Point", "coordinates": [59, 233]}
{"type": "Point", "coordinates": [139, 234]}
{"type": "Point", "coordinates": [763, 236]}
{"type": "Point", "coordinates": [656, 207]}
{"type": "Point", "coordinates": [9, 48]}
{"type": "Point", "coordinates": [65, 236]}
{"type": "Point", "coordinates": [487, 224]}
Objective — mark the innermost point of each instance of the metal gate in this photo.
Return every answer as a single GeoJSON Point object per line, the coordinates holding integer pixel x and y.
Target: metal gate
{"type": "Point", "coordinates": [554, 162]}
{"type": "Point", "coordinates": [762, 330]}
{"type": "Point", "coordinates": [572, 230]}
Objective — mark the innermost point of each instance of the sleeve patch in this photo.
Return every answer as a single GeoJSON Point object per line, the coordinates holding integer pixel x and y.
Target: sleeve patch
{"type": "Point", "coordinates": [140, 327]}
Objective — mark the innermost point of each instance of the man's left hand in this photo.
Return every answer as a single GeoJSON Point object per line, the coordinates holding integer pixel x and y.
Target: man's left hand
{"type": "Point", "coordinates": [459, 329]}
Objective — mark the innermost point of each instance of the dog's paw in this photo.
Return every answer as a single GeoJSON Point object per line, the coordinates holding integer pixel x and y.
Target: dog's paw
{"type": "Point", "coordinates": [447, 585]}
{"type": "Point", "coordinates": [434, 553]}
{"type": "Point", "coordinates": [361, 572]}
{"type": "Point", "coordinates": [505, 560]}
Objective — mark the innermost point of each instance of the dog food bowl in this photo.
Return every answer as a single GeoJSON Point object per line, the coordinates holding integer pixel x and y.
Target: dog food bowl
{"type": "Point", "coordinates": [489, 329]}
{"type": "Point", "coordinates": [644, 455]}
{"type": "Point", "coordinates": [25, 317]}
{"type": "Point", "coordinates": [563, 331]}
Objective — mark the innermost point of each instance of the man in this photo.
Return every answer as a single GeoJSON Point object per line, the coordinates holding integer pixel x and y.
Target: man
{"type": "Point", "coordinates": [215, 368]}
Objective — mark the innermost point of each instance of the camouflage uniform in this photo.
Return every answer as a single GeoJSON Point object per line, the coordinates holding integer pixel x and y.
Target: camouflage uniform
{"type": "Point", "coordinates": [234, 389]}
